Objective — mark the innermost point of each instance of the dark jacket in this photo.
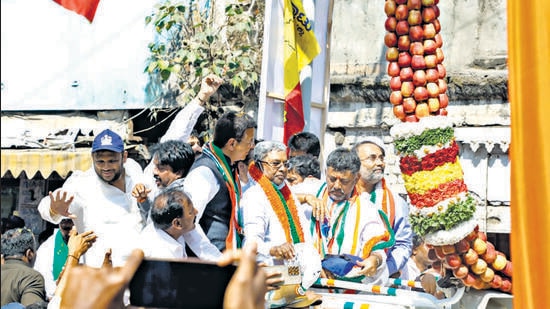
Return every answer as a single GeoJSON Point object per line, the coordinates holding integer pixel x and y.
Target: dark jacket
{"type": "Point", "coordinates": [21, 283]}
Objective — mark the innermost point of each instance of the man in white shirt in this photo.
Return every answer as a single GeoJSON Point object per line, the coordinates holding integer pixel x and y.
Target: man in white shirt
{"type": "Point", "coordinates": [100, 200]}
{"type": "Point", "coordinates": [173, 226]}
{"type": "Point", "coordinates": [52, 254]}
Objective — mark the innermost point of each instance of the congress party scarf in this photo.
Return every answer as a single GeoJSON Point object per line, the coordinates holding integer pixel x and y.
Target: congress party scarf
{"type": "Point", "coordinates": [233, 239]}
{"type": "Point", "coordinates": [282, 202]}
{"type": "Point", "coordinates": [60, 253]}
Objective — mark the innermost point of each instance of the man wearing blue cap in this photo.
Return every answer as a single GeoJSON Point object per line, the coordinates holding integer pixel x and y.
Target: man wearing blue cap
{"type": "Point", "coordinates": [100, 200]}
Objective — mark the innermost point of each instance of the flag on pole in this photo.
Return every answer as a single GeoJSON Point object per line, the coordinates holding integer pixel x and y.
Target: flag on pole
{"type": "Point", "coordinates": [300, 47]}
{"type": "Point", "coordinates": [85, 8]}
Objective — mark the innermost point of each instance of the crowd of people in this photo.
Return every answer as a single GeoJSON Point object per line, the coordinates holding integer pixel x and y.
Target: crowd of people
{"type": "Point", "coordinates": [235, 199]}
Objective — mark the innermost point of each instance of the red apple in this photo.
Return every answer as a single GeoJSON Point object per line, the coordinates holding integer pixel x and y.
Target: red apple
{"type": "Point", "coordinates": [433, 104]}
{"type": "Point", "coordinates": [480, 284]}
{"type": "Point", "coordinates": [390, 24]}
{"type": "Point", "coordinates": [429, 31]}
{"type": "Point", "coordinates": [417, 48]}
{"type": "Point", "coordinates": [508, 268]}
{"type": "Point", "coordinates": [409, 105]}
{"type": "Point", "coordinates": [401, 1]}
{"type": "Point", "coordinates": [402, 27]}
{"type": "Point", "coordinates": [398, 112]}
{"type": "Point", "coordinates": [396, 98]}
{"type": "Point", "coordinates": [436, 10]}
{"type": "Point", "coordinates": [390, 39]}
{"type": "Point", "coordinates": [497, 282]}
{"type": "Point", "coordinates": [433, 90]}
{"type": "Point", "coordinates": [395, 83]}
{"type": "Point", "coordinates": [439, 54]}
{"type": "Point", "coordinates": [432, 75]}
{"type": "Point", "coordinates": [479, 245]}
{"type": "Point", "coordinates": [436, 23]}
{"type": "Point", "coordinates": [402, 12]}
{"type": "Point", "coordinates": [421, 110]}
{"type": "Point", "coordinates": [491, 254]}
{"type": "Point", "coordinates": [427, 2]}
{"type": "Point", "coordinates": [406, 74]}
{"type": "Point", "coordinates": [403, 43]}
{"type": "Point", "coordinates": [463, 245]}
{"type": "Point", "coordinates": [428, 14]}
{"type": "Point", "coordinates": [443, 100]}
{"type": "Point", "coordinates": [438, 40]}
{"type": "Point", "coordinates": [431, 61]}
{"type": "Point", "coordinates": [473, 234]}
{"type": "Point", "coordinates": [414, 4]}
{"type": "Point", "coordinates": [418, 63]}
{"type": "Point", "coordinates": [404, 59]}
{"type": "Point", "coordinates": [407, 89]}
{"type": "Point", "coordinates": [442, 111]}
{"type": "Point", "coordinates": [442, 84]}
{"type": "Point", "coordinates": [419, 77]}
{"type": "Point", "coordinates": [453, 260]}
{"type": "Point", "coordinates": [506, 285]}
{"type": "Point", "coordinates": [415, 17]}
{"type": "Point", "coordinates": [411, 118]}
{"type": "Point", "coordinates": [470, 257]}
{"type": "Point", "coordinates": [488, 275]}
{"type": "Point", "coordinates": [430, 46]}
{"type": "Point", "coordinates": [482, 235]}
{"type": "Point", "coordinates": [441, 70]}
{"type": "Point", "coordinates": [479, 267]}
{"type": "Point", "coordinates": [421, 94]}
{"type": "Point", "coordinates": [469, 279]}
{"type": "Point", "coordinates": [461, 271]}
{"type": "Point", "coordinates": [393, 68]}
{"type": "Point", "coordinates": [389, 7]}
{"type": "Point", "coordinates": [416, 33]}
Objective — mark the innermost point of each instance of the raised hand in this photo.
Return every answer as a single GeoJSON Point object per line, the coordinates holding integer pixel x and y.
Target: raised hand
{"type": "Point", "coordinates": [59, 203]}
{"type": "Point", "coordinates": [209, 86]}
{"type": "Point", "coordinates": [140, 192]}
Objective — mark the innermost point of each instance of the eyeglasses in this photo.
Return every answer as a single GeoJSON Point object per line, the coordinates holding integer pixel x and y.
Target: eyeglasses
{"type": "Point", "coordinates": [373, 158]}
{"type": "Point", "coordinates": [276, 164]}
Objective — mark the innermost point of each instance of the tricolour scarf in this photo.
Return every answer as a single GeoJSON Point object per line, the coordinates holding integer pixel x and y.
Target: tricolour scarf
{"type": "Point", "coordinates": [233, 240]}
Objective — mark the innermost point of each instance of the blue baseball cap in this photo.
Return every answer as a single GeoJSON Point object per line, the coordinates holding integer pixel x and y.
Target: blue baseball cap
{"type": "Point", "coordinates": [108, 140]}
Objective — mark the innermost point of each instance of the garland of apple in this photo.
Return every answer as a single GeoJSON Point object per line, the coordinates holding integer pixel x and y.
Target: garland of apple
{"type": "Point", "coordinates": [442, 210]}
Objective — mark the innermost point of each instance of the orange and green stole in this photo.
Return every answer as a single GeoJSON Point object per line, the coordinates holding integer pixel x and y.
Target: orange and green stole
{"type": "Point", "coordinates": [282, 202]}
{"type": "Point", "coordinates": [233, 239]}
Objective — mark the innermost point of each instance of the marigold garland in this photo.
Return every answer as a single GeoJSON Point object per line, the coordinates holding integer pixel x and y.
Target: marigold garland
{"type": "Point", "coordinates": [422, 181]}
{"type": "Point", "coordinates": [285, 210]}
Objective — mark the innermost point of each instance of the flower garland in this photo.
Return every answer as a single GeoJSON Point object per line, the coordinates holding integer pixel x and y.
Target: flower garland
{"type": "Point", "coordinates": [411, 164]}
{"type": "Point", "coordinates": [282, 203]}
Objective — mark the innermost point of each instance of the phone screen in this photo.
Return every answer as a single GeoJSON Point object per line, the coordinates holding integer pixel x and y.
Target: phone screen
{"type": "Point", "coordinates": [187, 283]}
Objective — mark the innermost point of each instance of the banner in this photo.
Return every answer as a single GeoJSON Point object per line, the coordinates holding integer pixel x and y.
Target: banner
{"type": "Point", "coordinates": [85, 8]}
{"type": "Point", "coordinates": [300, 47]}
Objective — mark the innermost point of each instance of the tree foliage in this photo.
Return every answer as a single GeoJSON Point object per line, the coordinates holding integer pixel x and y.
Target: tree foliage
{"type": "Point", "coordinates": [192, 42]}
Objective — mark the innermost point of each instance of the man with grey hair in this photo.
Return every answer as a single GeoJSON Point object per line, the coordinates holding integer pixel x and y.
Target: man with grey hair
{"type": "Point", "coordinates": [372, 154]}
{"type": "Point", "coordinates": [272, 218]}
{"type": "Point", "coordinates": [348, 223]}
{"type": "Point", "coordinates": [20, 282]}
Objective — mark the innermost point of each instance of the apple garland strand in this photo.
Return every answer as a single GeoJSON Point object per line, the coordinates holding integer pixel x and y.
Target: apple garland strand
{"type": "Point", "coordinates": [442, 210]}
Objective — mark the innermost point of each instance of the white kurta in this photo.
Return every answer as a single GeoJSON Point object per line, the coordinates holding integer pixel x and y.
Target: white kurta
{"type": "Point", "coordinates": [113, 215]}
{"type": "Point", "coordinates": [43, 263]}
{"type": "Point", "coordinates": [262, 224]}
{"type": "Point", "coordinates": [368, 225]}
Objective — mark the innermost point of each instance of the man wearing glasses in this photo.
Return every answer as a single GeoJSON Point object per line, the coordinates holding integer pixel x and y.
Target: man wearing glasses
{"type": "Point", "coordinates": [371, 152]}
